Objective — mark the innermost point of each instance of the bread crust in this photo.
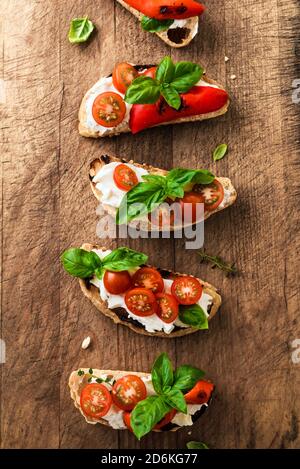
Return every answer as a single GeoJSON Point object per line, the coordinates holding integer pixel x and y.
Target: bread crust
{"type": "Point", "coordinates": [146, 225]}
{"type": "Point", "coordinates": [87, 132]}
{"type": "Point", "coordinates": [92, 293]}
{"type": "Point", "coordinates": [192, 24]}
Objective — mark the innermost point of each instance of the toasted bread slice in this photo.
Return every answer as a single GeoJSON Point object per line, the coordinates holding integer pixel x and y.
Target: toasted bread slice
{"type": "Point", "coordinates": [146, 225]}
{"type": "Point", "coordinates": [76, 384]}
{"type": "Point", "coordinates": [87, 131]}
{"type": "Point", "coordinates": [178, 37]}
{"type": "Point", "coordinates": [120, 316]}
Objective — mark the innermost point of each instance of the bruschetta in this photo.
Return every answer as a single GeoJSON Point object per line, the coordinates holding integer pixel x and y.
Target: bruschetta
{"type": "Point", "coordinates": [137, 97]}
{"type": "Point", "coordinates": [150, 301]}
{"type": "Point", "coordinates": [175, 22]}
{"type": "Point", "coordinates": [114, 180]}
{"type": "Point", "coordinates": [163, 400]}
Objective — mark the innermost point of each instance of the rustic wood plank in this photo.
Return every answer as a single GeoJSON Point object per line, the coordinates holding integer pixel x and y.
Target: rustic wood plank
{"type": "Point", "coordinates": [30, 294]}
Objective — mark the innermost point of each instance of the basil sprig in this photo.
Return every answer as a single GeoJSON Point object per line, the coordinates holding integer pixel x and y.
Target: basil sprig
{"type": "Point", "coordinates": [169, 386]}
{"type": "Point", "coordinates": [193, 316]}
{"type": "Point", "coordinates": [170, 81]}
{"type": "Point", "coordinates": [86, 264]}
{"type": "Point", "coordinates": [80, 30]}
{"type": "Point", "coordinates": [154, 190]}
{"type": "Point", "coordinates": [154, 26]}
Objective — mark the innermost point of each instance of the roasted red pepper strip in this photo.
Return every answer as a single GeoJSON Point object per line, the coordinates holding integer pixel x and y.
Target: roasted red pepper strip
{"type": "Point", "coordinates": [199, 100]}
{"type": "Point", "coordinates": [167, 9]}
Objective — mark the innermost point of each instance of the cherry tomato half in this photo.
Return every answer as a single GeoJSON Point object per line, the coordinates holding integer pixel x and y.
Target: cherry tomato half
{"type": "Point", "coordinates": [109, 109]}
{"type": "Point", "coordinates": [141, 302]}
{"type": "Point", "coordinates": [126, 420]}
{"type": "Point", "coordinates": [149, 278]}
{"type": "Point", "coordinates": [95, 400]}
{"type": "Point", "coordinates": [162, 216]}
{"type": "Point", "coordinates": [167, 419]}
{"type": "Point", "coordinates": [117, 282]}
{"type": "Point", "coordinates": [123, 76]}
{"type": "Point", "coordinates": [190, 208]}
{"type": "Point", "coordinates": [150, 72]}
{"type": "Point", "coordinates": [213, 194]}
{"type": "Point", "coordinates": [167, 307]}
{"type": "Point", "coordinates": [187, 290]}
{"type": "Point", "coordinates": [128, 391]}
{"type": "Point", "coordinates": [125, 178]}
{"type": "Point", "coordinates": [200, 393]}
{"type": "Point", "coordinates": [167, 9]}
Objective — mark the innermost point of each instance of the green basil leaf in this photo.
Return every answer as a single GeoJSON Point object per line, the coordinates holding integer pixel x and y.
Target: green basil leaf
{"type": "Point", "coordinates": [153, 26]}
{"type": "Point", "coordinates": [186, 75]}
{"type": "Point", "coordinates": [123, 259]}
{"type": "Point", "coordinates": [175, 190]}
{"type": "Point", "coordinates": [196, 445]}
{"type": "Point", "coordinates": [80, 30]}
{"type": "Point", "coordinates": [186, 377]}
{"type": "Point", "coordinates": [184, 176]}
{"type": "Point", "coordinates": [220, 152]}
{"type": "Point", "coordinates": [143, 90]}
{"type": "Point", "coordinates": [80, 263]}
{"type": "Point", "coordinates": [193, 316]}
{"type": "Point", "coordinates": [171, 96]}
{"type": "Point", "coordinates": [165, 70]}
{"type": "Point", "coordinates": [162, 374]}
{"type": "Point", "coordinates": [139, 201]}
{"type": "Point", "coordinates": [147, 414]}
{"type": "Point", "coordinates": [155, 179]}
{"type": "Point", "coordinates": [176, 400]}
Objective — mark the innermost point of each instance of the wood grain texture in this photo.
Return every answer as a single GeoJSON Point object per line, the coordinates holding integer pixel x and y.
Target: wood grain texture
{"type": "Point", "coordinates": [47, 206]}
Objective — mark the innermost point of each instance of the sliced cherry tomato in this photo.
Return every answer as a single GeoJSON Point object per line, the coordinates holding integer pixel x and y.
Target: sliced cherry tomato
{"type": "Point", "coordinates": [128, 391]}
{"type": "Point", "coordinates": [149, 278]}
{"type": "Point", "coordinates": [109, 109]}
{"type": "Point", "coordinates": [126, 420]}
{"type": "Point", "coordinates": [95, 400]}
{"type": "Point", "coordinates": [167, 419]}
{"type": "Point", "coordinates": [125, 178]}
{"type": "Point", "coordinates": [117, 282]}
{"type": "Point", "coordinates": [141, 302]}
{"type": "Point", "coordinates": [123, 76]}
{"type": "Point", "coordinates": [163, 216]}
{"type": "Point", "coordinates": [187, 290]}
{"type": "Point", "coordinates": [167, 307]}
{"type": "Point", "coordinates": [190, 206]}
{"type": "Point", "coordinates": [167, 9]}
{"type": "Point", "coordinates": [150, 72]}
{"type": "Point", "coordinates": [200, 393]}
{"type": "Point", "coordinates": [198, 100]}
{"type": "Point", "coordinates": [213, 194]}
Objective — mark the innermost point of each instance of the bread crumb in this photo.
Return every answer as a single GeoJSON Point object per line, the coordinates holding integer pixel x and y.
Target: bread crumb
{"type": "Point", "coordinates": [233, 77]}
{"type": "Point", "coordinates": [226, 58]}
{"type": "Point", "coordinates": [86, 343]}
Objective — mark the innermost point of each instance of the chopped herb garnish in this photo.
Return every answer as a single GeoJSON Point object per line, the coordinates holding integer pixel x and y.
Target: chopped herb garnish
{"type": "Point", "coordinates": [80, 373]}
{"type": "Point", "coordinates": [218, 262]}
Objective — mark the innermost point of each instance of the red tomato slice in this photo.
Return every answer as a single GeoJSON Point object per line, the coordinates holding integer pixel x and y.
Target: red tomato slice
{"type": "Point", "coordinates": [149, 278]}
{"type": "Point", "coordinates": [167, 9]}
{"type": "Point", "coordinates": [117, 282]}
{"type": "Point", "coordinates": [187, 290]}
{"type": "Point", "coordinates": [95, 400]}
{"type": "Point", "coordinates": [213, 194]}
{"type": "Point", "coordinates": [167, 307]}
{"type": "Point", "coordinates": [200, 393]}
{"type": "Point", "coordinates": [128, 391]}
{"type": "Point", "coordinates": [126, 420]}
{"type": "Point", "coordinates": [123, 76]}
{"type": "Point", "coordinates": [167, 419]}
{"type": "Point", "coordinates": [141, 302]}
{"type": "Point", "coordinates": [189, 206]}
{"type": "Point", "coordinates": [109, 109]}
{"type": "Point", "coordinates": [150, 72]}
{"type": "Point", "coordinates": [125, 178]}
{"type": "Point", "coordinates": [199, 100]}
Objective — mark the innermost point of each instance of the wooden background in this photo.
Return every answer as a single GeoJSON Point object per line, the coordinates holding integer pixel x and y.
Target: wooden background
{"type": "Point", "coordinates": [47, 206]}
